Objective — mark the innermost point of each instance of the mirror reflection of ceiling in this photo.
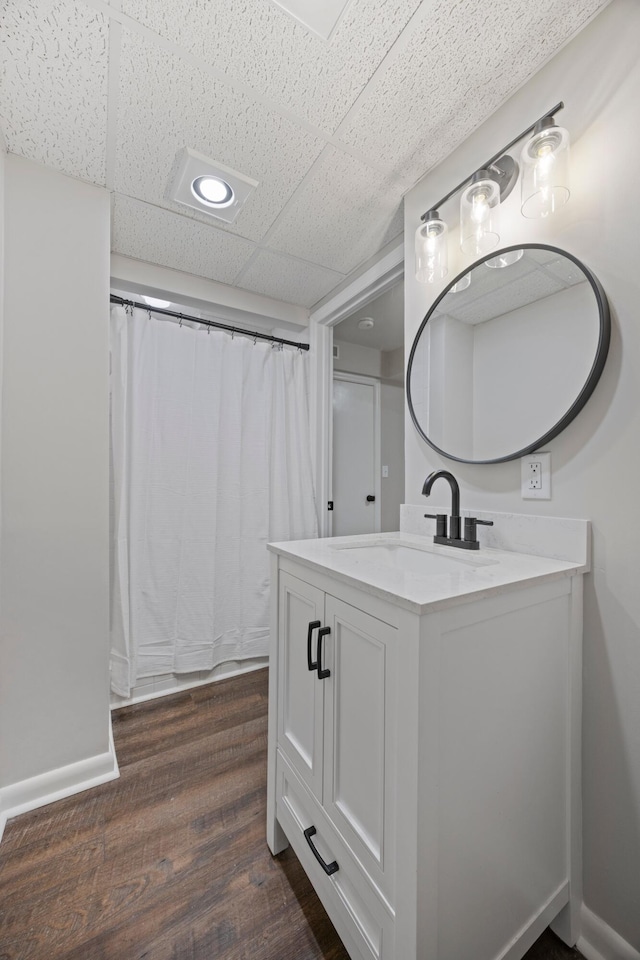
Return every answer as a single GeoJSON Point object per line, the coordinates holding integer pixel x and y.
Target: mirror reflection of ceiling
{"type": "Point", "coordinates": [496, 369]}
{"type": "Point", "coordinates": [495, 292]}
{"type": "Point", "coordinates": [335, 131]}
{"type": "Point", "coordinates": [387, 312]}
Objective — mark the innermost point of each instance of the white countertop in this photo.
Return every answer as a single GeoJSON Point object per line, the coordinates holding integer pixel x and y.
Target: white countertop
{"type": "Point", "coordinates": [482, 573]}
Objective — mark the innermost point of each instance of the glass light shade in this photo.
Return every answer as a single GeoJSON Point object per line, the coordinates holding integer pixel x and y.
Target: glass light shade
{"type": "Point", "coordinates": [462, 283]}
{"type": "Point", "coordinates": [480, 217]}
{"type": "Point", "coordinates": [505, 259]}
{"type": "Point", "coordinates": [545, 171]}
{"type": "Point", "coordinates": [431, 250]}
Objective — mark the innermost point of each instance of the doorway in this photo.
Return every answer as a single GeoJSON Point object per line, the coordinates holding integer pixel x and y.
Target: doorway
{"type": "Point", "coordinates": [368, 417]}
{"type": "Point", "coordinates": [356, 455]}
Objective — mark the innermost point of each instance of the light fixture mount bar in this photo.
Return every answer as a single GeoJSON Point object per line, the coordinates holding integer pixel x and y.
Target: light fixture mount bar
{"type": "Point", "coordinates": [497, 156]}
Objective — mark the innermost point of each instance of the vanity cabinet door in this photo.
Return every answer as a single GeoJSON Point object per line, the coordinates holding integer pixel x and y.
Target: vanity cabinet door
{"type": "Point", "coordinates": [300, 707]}
{"type": "Point", "coordinates": [359, 736]}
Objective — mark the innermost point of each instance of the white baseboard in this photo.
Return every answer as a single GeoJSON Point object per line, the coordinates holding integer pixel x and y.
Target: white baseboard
{"type": "Point", "coordinates": [598, 941]}
{"type": "Point", "coordinates": [58, 784]}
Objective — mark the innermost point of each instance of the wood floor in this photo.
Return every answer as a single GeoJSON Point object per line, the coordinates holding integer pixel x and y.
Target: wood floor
{"type": "Point", "coordinates": [170, 862]}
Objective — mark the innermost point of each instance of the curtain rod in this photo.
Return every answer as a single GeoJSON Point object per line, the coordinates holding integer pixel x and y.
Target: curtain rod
{"type": "Point", "coordinates": [255, 334]}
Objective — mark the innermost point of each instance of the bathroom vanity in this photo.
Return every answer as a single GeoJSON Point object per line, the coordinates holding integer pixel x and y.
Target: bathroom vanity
{"type": "Point", "coordinates": [424, 733]}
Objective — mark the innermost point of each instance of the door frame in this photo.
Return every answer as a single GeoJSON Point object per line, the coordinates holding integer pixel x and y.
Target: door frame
{"type": "Point", "coordinates": [383, 272]}
{"type": "Point", "coordinates": [377, 453]}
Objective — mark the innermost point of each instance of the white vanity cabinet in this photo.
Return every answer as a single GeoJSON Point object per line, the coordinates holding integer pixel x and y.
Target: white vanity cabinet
{"type": "Point", "coordinates": [423, 757]}
{"type": "Point", "coordinates": [336, 732]}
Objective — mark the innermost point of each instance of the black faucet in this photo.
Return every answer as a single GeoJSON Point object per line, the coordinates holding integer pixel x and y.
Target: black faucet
{"type": "Point", "coordinates": [470, 541]}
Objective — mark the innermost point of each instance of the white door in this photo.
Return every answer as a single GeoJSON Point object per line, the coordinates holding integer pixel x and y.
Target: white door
{"type": "Point", "coordinates": [356, 493]}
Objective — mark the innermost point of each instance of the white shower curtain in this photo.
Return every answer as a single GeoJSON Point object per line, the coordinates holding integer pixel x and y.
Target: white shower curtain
{"type": "Point", "coordinates": [210, 461]}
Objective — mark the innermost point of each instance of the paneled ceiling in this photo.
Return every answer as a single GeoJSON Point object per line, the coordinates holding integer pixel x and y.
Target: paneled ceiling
{"type": "Point", "coordinates": [495, 292]}
{"type": "Point", "coordinates": [334, 131]}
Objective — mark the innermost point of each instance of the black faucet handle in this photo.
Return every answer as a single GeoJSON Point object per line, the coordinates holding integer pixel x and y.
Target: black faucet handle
{"type": "Point", "coordinates": [441, 523]}
{"type": "Point", "coordinates": [470, 524]}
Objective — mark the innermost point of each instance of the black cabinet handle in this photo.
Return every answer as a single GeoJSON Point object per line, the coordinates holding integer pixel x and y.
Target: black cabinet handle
{"type": "Point", "coordinates": [322, 674]}
{"type": "Point", "coordinates": [371, 498]}
{"type": "Point", "coordinates": [312, 626]}
{"type": "Point", "coordinates": [328, 868]}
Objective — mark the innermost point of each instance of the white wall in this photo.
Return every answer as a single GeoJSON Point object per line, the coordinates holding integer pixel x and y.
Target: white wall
{"type": "Point", "coordinates": [541, 355]}
{"type": "Point", "coordinates": [391, 455]}
{"type": "Point", "coordinates": [3, 163]}
{"type": "Point", "coordinates": [354, 358]}
{"type": "Point", "coordinates": [393, 365]}
{"type": "Point", "coordinates": [596, 460]}
{"type": "Point", "coordinates": [231, 304]}
{"type": "Point", "coordinates": [54, 703]}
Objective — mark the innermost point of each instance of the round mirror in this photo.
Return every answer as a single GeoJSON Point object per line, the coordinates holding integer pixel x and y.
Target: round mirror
{"type": "Point", "coordinates": [508, 354]}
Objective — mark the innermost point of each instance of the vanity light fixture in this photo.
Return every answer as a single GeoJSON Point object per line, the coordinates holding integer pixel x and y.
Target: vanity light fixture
{"type": "Point", "coordinates": [480, 215]}
{"type": "Point", "coordinates": [431, 248]}
{"type": "Point", "coordinates": [545, 169]}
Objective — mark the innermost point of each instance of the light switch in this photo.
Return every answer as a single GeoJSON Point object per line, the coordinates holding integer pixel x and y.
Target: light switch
{"type": "Point", "coordinates": [385, 472]}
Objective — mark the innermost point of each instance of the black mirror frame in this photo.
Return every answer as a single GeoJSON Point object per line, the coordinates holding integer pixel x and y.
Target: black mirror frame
{"type": "Point", "coordinates": [589, 385]}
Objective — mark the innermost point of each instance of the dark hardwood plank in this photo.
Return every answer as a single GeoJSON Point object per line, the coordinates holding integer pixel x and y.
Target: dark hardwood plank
{"type": "Point", "coordinates": [170, 861]}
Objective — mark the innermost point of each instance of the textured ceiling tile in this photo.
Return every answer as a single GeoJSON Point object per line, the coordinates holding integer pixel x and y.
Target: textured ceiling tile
{"type": "Point", "coordinates": [566, 270]}
{"type": "Point", "coordinates": [342, 214]}
{"type": "Point", "coordinates": [255, 42]}
{"type": "Point", "coordinates": [454, 73]}
{"type": "Point", "coordinates": [485, 280]}
{"type": "Point", "coordinates": [531, 288]}
{"type": "Point", "coordinates": [166, 104]}
{"type": "Point", "coordinates": [53, 89]}
{"type": "Point", "coordinates": [290, 280]}
{"type": "Point", "coordinates": [158, 236]}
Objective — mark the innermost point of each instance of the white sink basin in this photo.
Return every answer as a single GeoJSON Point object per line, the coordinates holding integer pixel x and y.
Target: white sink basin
{"type": "Point", "coordinates": [411, 558]}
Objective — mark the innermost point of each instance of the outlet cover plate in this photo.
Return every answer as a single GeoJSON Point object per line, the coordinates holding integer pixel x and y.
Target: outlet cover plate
{"type": "Point", "coordinates": [536, 476]}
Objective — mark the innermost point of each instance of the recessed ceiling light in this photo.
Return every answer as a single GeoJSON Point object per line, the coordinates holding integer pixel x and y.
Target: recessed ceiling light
{"type": "Point", "coordinates": [366, 323]}
{"type": "Point", "coordinates": [208, 186]}
{"type": "Point", "coordinates": [154, 302]}
{"type": "Point", "coordinates": [212, 191]}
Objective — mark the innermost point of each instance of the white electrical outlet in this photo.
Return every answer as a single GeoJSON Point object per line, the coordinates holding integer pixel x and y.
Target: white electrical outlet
{"type": "Point", "coordinates": [536, 476]}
